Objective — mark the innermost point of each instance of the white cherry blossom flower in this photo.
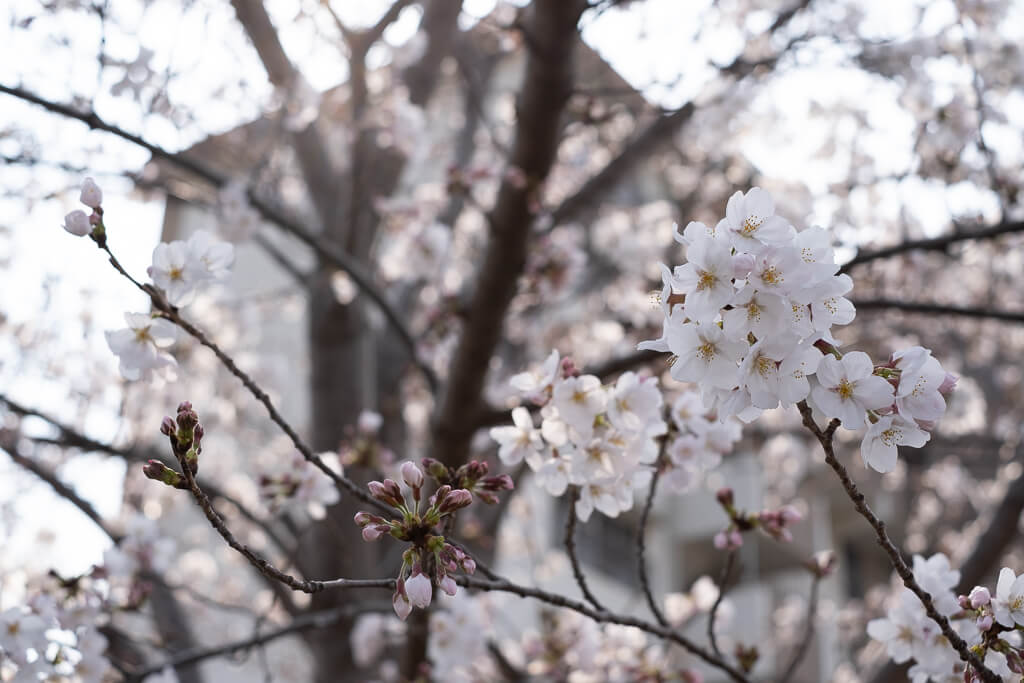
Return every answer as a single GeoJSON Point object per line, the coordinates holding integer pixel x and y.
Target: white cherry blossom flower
{"type": "Point", "coordinates": [1008, 605]}
{"type": "Point", "coordinates": [600, 495]}
{"type": "Point", "coordinates": [91, 194]}
{"type": "Point", "coordinates": [829, 306]}
{"type": "Point", "coordinates": [209, 257]}
{"type": "Point", "coordinates": [751, 223]}
{"type": "Point", "coordinates": [419, 590]}
{"type": "Point", "coordinates": [759, 372]}
{"type": "Point", "coordinates": [879, 447]}
{"type": "Point", "coordinates": [174, 272]}
{"type": "Point", "coordinates": [552, 471]}
{"type": "Point", "coordinates": [706, 278]}
{"type": "Point", "coordinates": [757, 312]}
{"type": "Point", "coordinates": [635, 403]}
{"type": "Point", "coordinates": [794, 371]}
{"type": "Point", "coordinates": [848, 389]}
{"type": "Point", "coordinates": [779, 271]}
{"type": "Point", "coordinates": [519, 441]}
{"type": "Point", "coordinates": [704, 355]}
{"type": "Point", "coordinates": [140, 346]}
{"type": "Point", "coordinates": [77, 223]}
{"type": "Point", "coordinates": [579, 400]}
{"type": "Point", "coordinates": [535, 383]}
{"type": "Point", "coordinates": [917, 396]}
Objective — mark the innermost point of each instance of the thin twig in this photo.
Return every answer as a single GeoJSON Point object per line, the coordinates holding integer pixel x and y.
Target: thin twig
{"type": "Point", "coordinates": [602, 616]}
{"type": "Point", "coordinates": [641, 562]}
{"type": "Point", "coordinates": [939, 309]}
{"type": "Point", "coordinates": [934, 243]}
{"type": "Point", "coordinates": [325, 250]}
{"type": "Point", "coordinates": [570, 547]}
{"type": "Point", "coordinates": [824, 437]}
{"type": "Point", "coordinates": [254, 558]}
{"type": "Point", "coordinates": [51, 478]}
{"type": "Point", "coordinates": [321, 619]}
{"type": "Point", "coordinates": [723, 584]}
{"type": "Point", "coordinates": [172, 314]}
{"type": "Point", "coordinates": [804, 645]}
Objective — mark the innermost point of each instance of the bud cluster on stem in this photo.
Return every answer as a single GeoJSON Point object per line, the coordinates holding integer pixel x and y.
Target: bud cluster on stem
{"type": "Point", "coordinates": [185, 435]}
{"type": "Point", "coordinates": [430, 560]}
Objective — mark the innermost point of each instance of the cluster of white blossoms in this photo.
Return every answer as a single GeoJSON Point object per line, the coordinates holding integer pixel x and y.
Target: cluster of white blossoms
{"type": "Point", "coordinates": [296, 484]}
{"type": "Point", "coordinates": [749, 314]}
{"type": "Point", "coordinates": [599, 438]}
{"type": "Point", "coordinates": [54, 640]}
{"type": "Point", "coordinates": [180, 268]}
{"type": "Point", "coordinates": [990, 626]}
{"type": "Point", "coordinates": [127, 567]}
{"type": "Point", "coordinates": [701, 442]}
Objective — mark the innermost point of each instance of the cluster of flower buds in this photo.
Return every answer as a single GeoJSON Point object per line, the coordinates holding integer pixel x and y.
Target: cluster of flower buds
{"type": "Point", "coordinates": [80, 224]}
{"type": "Point", "coordinates": [1000, 619]}
{"type": "Point", "coordinates": [430, 560]}
{"type": "Point", "coordinates": [472, 477]}
{"type": "Point", "coordinates": [186, 436]}
{"type": "Point", "coordinates": [774, 523]}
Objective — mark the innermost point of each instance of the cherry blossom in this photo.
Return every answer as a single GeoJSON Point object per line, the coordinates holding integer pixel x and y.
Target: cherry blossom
{"type": "Point", "coordinates": [878, 449]}
{"type": "Point", "coordinates": [140, 346]}
{"type": "Point", "coordinates": [848, 389]}
{"type": "Point", "coordinates": [1008, 606]}
{"type": "Point", "coordinates": [77, 223]}
{"type": "Point", "coordinates": [517, 442]}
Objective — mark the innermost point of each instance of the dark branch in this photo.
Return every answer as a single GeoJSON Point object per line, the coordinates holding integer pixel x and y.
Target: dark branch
{"type": "Point", "coordinates": [570, 548]}
{"type": "Point", "coordinates": [326, 251]}
{"type": "Point", "coordinates": [723, 586]}
{"type": "Point", "coordinates": [938, 309]}
{"type": "Point", "coordinates": [804, 645]}
{"type": "Point", "coordinates": [321, 619]}
{"type": "Point", "coordinates": [641, 561]}
{"type": "Point", "coordinates": [941, 244]}
{"type": "Point", "coordinates": [905, 573]}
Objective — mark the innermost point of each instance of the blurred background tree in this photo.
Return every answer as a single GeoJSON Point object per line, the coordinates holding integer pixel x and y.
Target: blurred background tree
{"type": "Point", "coordinates": [504, 179]}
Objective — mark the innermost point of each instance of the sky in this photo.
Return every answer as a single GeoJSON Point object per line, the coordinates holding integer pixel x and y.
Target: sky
{"type": "Point", "coordinates": [56, 59]}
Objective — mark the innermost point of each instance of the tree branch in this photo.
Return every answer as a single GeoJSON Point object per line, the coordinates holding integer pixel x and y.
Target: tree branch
{"type": "Point", "coordinates": [804, 646]}
{"type": "Point", "coordinates": [905, 573]}
{"type": "Point", "coordinates": [570, 548]}
{"type": "Point", "coordinates": [321, 619]}
{"type": "Point", "coordinates": [641, 562]}
{"type": "Point", "coordinates": [938, 309]}
{"type": "Point", "coordinates": [723, 584]}
{"type": "Point", "coordinates": [934, 243]}
{"type": "Point", "coordinates": [8, 443]}
{"type": "Point", "coordinates": [324, 250]}
{"type": "Point", "coordinates": [546, 89]}
{"type": "Point", "coordinates": [601, 616]}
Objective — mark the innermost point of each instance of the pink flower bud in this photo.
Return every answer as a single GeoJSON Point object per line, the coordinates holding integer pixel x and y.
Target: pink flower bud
{"type": "Point", "coordinates": [984, 622]}
{"type": "Point", "coordinates": [455, 500]}
{"type": "Point", "coordinates": [948, 384]}
{"type": "Point", "coordinates": [742, 264]}
{"type": "Point", "coordinates": [735, 538]}
{"type": "Point", "coordinates": [91, 195]}
{"type": "Point", "coordinates": [448, 585]}
{"type": "Point", "coordinates": [725, 496]}
{"type": "Point", "coordinates": [419, 590]}
{"type": "Point", "coordinates": [980, 597]}
{"type": "Point", "coordinates": [789, 514]}
{"type": "Point", "coordinates": [371, 532]}
{"type": "Point", "coordinates": [77, 223]}
{"type": "Point", "coordinates": [401, 605]}
{"type": "Point", "coordinates": [824, 563]}
{"type": "Point", "coordinates": [386, 492]}
{"type": "Point", "coordinates": [167, 426]}
{"type": "Point", "coordinates": [412, 475]}
{"type": "Point", "coordinates": [720, 540]}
